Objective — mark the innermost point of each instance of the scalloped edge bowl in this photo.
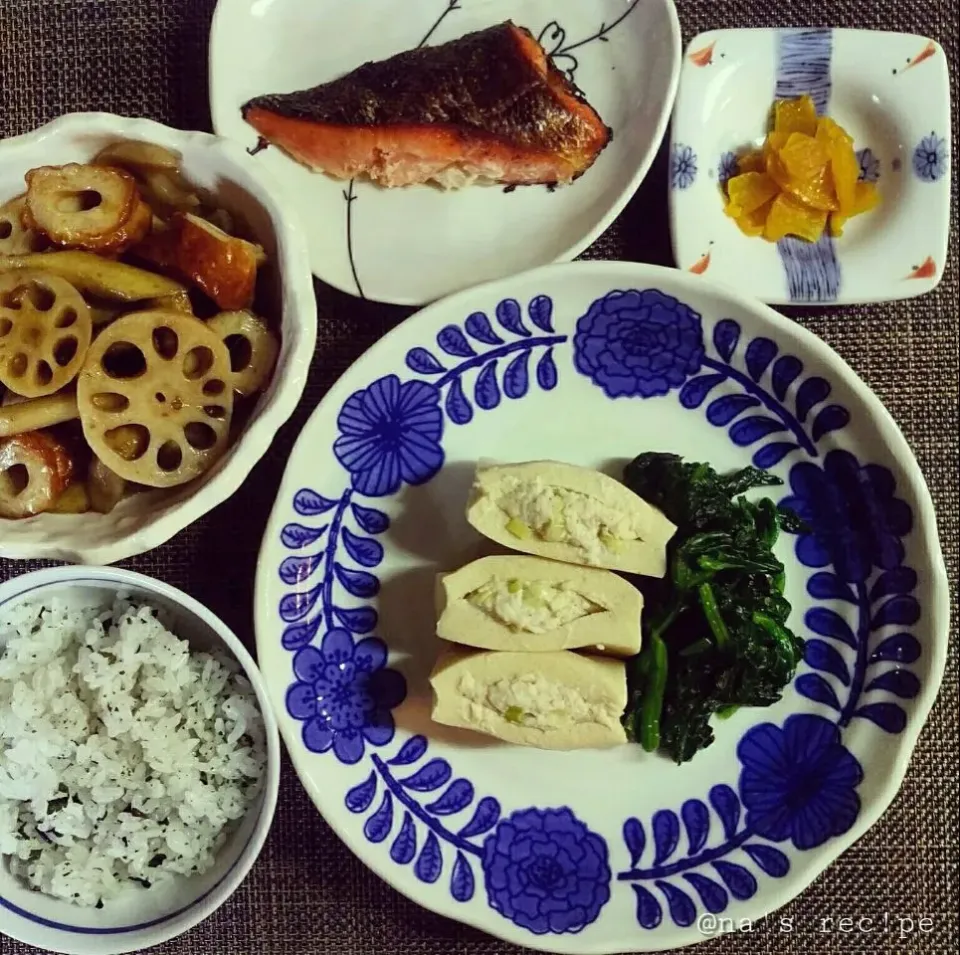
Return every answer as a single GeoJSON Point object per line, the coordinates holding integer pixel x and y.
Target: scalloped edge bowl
{"type": "Point", "coordinates": [144, 521]}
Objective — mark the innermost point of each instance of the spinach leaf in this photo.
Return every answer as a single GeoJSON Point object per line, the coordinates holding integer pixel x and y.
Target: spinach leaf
{"type": "Point", "coordinates": [716, 638]}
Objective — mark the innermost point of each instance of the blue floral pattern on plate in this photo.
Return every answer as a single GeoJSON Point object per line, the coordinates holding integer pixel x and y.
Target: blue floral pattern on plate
{"type": "Point", "coordinates": [542, 868]}
{"type": "Point", "coordinates": [390, 434]}
{"type": "Point", "coordinates": [492, 382]}
{"type": "Point", "coordinates": [638, 344]}
{"type": "Point", "coordinates": [345, 695]}
{"type": "Point", "coordinates": [797, 783]}
{"type": "Point", "coordinates": [546, 871]}
{"type": "Point", "coordinates": [727, 168]}
{"type": "Point", "coordinates": [683, 166]}
{"type": "Point", "coordinates": [869, 165]}
{"type": "Point", "coordinates": [930, 158]}
{"type": "Point", "coordinates": [855, 520]}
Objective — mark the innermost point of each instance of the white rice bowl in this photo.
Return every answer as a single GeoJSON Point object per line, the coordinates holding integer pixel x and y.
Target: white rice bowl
{"type": "Point", "coordinates": [125, 758]}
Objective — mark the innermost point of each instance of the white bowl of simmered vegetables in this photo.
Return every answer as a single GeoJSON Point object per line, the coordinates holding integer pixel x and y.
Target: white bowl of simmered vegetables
{"type": "Point", "coordinates": [157, 322]}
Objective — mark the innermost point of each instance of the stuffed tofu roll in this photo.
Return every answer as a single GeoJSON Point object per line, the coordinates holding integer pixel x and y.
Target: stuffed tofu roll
{"type": "Point", "coordinates": [557, 700]}
{"type": "Point", "coordinates": [533, 604]}
{"type": "Point", "coordinates": [571, 514]}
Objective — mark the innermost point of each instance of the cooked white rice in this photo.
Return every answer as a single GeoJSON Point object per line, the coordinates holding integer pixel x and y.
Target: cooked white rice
{"type": "Point", "coordinates": [124, 757]}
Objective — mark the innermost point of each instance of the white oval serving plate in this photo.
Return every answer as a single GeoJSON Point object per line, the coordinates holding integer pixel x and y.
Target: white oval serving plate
{"type": "Point", "coordinates": [616, 850]}
{"type": "Point", "coordinates": [411, 246]}
{"type": "Point", "coordinates": [143, 521]}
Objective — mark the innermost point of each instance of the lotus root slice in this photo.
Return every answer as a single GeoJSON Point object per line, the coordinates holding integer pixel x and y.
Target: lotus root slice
{"type": "Point", "coordinates": [45, 331]}
{"type": "Point", "coordinates": [253, 349]}
{"type": "Point", "coordinates": [154, 398]}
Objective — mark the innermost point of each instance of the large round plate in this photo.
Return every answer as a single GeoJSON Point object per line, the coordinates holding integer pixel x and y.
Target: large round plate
{"type": "Point", "coordinates": [414, 245]}
{"type": "Point", "coordinates": [616, 850]}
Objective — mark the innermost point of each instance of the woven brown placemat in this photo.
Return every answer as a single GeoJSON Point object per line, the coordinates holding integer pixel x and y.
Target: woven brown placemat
{"type": "Point", "coordinates": [308, 894]}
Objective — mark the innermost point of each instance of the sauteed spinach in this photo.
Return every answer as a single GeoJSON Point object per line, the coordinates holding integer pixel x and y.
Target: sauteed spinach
{"type": "Point", "coordinates": [715, 633]}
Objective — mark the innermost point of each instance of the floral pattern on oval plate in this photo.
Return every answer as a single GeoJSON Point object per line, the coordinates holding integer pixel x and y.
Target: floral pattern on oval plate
{"type": "Point", "coordinates": [541, 867]}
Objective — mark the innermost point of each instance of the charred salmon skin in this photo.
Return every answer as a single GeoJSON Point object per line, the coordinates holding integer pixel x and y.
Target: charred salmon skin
{"type": "Point", "coordinates": [489, 106]}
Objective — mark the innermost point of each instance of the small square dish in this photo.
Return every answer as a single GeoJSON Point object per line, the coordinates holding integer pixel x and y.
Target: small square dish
{"type": "Point", "coordinates": [889, 91]}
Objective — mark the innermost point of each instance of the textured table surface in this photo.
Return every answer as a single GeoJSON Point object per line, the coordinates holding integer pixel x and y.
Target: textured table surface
{"type": "Point", "coordinates": [308, 893]}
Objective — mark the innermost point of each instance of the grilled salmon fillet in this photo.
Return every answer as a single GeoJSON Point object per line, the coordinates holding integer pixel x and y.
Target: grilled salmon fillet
{"type": "Point", "coordinates": [488, 106]}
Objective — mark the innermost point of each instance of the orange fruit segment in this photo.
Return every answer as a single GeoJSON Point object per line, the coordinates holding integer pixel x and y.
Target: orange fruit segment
{"type": "Point", "coordinates": [751, 190]}
{"type": "Point", "coordinates": [829, 130]}
{"type": "Point", "coordinates": [788, 216]}
{"type": "Point", "coordinates": [802, 181]}
{"type": "Point", "coordinates": [754, 223]}
{"type": "Point", "coordinates": [803, 157]}
{"type": "Point", "coordinates": [774, 143]}
{"type": "Point", "coordinates": [806, 163]}
{"type": "Point", "coordinates": [866, 198]}
{"type": "Point", "coordinates": [843, 162]}
{"type": "Point", "coordinates": [774, 169]}
{"type": "Point", "coordinates": [818, 192]}
{"type": "Point", "coordinates": [795, 116]}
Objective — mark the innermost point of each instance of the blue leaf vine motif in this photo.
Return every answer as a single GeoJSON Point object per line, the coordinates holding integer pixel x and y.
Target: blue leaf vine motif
{"type": "Point", "coordinates": [769, 382]}
{"type": "Point", "coordinates": [360, 546]}
{"type": "Point", "coordinates": [343, 692]}
{"type": "Point", "coordinates": [855, 526]}
{"type": "Point", "coordinates": [797, 784]}
{"type": "Point", "coordinates": [542, 869]}
{"type": "Point", "coordinates": [503, 363]}
{"type": "Point", "coordinates": [644, 344]}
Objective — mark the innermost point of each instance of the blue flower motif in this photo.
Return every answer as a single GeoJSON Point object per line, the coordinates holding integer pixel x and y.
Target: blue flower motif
{"type": "Point", "coordinates": [683, 167]}
{"type": "Point", "coordinates": [930, 158]}
{"type": "Point", "coordinates": [546, 871]}
{"type": "Point", "coordinates": [798, 782]}
{"type": "Point", "coordinates": [344, 695]}
{"type": "Point", "coordinates": [855, 520]}
{"type": "Point", "coordinates": [727, 168]}
{"type": "Point", "coordinates": [390, 433]}
{"type": "Point", "coordinates": [638, 343]}
{"type": "Point", "coordinates": [869, 165]}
